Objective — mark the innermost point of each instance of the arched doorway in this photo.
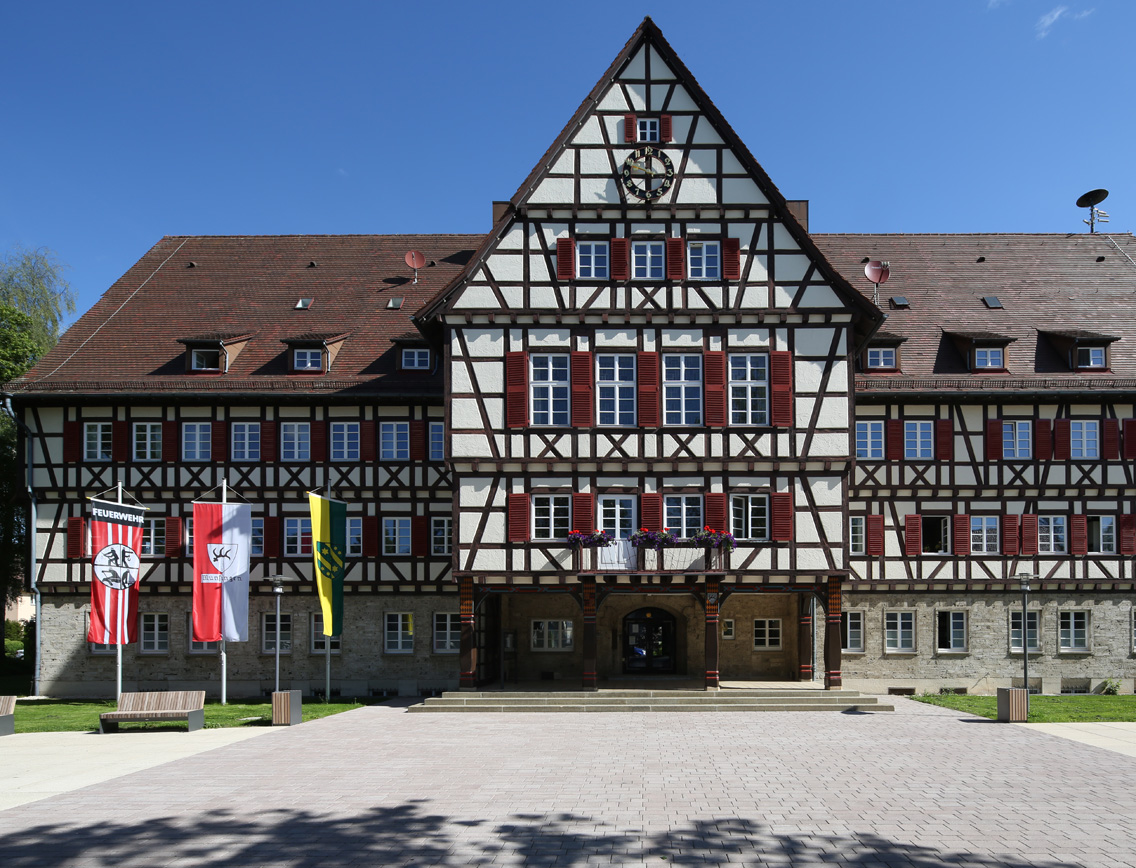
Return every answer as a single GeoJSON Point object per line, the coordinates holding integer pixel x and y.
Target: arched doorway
{"type": "Point", "coordinates": [649, 642]}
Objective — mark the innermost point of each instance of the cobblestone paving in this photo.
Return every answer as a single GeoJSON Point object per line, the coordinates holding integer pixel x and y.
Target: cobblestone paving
{"type": "Point", "coordinates": [920, 787]}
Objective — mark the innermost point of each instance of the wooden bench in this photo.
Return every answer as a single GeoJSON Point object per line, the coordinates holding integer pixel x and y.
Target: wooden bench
{"type": "Point", "coordinates": [7, 715]}
{"type": "Point", "coordinates": [187, 705]}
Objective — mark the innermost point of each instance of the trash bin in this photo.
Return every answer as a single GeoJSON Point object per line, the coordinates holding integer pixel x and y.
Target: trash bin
{"type": "Point", "coordinates": [287, 708]}
{"type": "Point", "coordinates": [1013, 705]}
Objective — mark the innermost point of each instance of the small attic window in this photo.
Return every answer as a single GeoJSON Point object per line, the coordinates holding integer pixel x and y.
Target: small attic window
{"type": "Point", "coordinates": [304, 304]}
{"type": "Point", "coordinates": [899, 302]}
{"type": "Point", "coordinates": [394, 303]}
{"type": "Point", "coordinates": [1089, 357]}
{"type": "Point", "coordinates": [992, 302]}
{"type": "Point", "coordinates": [205, 359]}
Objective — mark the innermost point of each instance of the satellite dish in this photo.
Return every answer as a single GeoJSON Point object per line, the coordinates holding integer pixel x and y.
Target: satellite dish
{"type": "Point", "coordinates": [414, 258]}
{"type": "Point", "coordinates": [1093, 197]}
{"type": "Point", "coordinates": [877, 272]}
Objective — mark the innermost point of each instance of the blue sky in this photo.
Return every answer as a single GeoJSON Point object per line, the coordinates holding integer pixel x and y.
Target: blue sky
{"type": "Point", "coordinates": [125, 122]}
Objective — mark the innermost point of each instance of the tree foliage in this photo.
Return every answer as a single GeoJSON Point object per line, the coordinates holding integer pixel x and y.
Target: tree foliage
{"type": "Point", "coordinates": [31, 281]}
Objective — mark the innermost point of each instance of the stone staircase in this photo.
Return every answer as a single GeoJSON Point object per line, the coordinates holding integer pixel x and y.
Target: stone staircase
{"type": "Point", "coordinates": [756, 699]}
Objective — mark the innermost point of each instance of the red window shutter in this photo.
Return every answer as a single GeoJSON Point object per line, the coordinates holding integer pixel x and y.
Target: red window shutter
{"type": "Point", "coordinates": [944, 440]}
{"type": "Point", "coordinates": [267, 450]}
{"type": "Point", "coordinates": [781, 516]}
{"type": "Point", "coordinates": [516, 390]}
{"type": "Point", "coordinates": [120, 441]}
{"type": "Point", "coordinates": [994, 444]}
{"type": "Point", "coordinates": [583, 514]}
{"type": "Point", "coordinates": [666, 128]}
{"type": "Point", "coordinates": [171, 441]}
{"type": "Point", "coordinates": [1128, 534]}
{"type": "Point", "coordinates": [651, 511]}
{"type": "Point", "coordinates": [583, 381]}
{"type": "Point", "coordinates": [77, 535]}
{"type": "Point", "coordinates": [716, 511]}
{"type": "Point", "coordinates": [72, 442]}
{"type": "Point", "coordinates": [370, 536]}
{"type": "Point", "coordinates": [1029, 534]}
{"type": "Point", "coordinates": [714, 366]}
{"type": "Point", "coordinates": [518, 519]}
{"type": "Point", "coordinates": [420, 536]}
{"type": "Point", "coordinates": [912, 535]}
{"type": "Point", "coordinates": [271, 523]}
{"type": "Point", "coordinates": [219, 434]}
{"type": "Point", "coordinates": [781, 388]}
{"type": "Point", "coordinates": [1110, 439]}
{"type": "Point", "coordinates": [1079, 534]}
{"type": "Point", "coordinates": [1062, 441]}
{"type": "Point", "coordinates": [620, 259]}
{"type": "Point", "coordinates": [1043, 439]}
{"type": "Point", "coordinates": [1010, 542]}
{"type": "Point", "coordinates": [565, 259]}
{"type": "Point", "coordinates": [1130, 438]}
{"type": "Point", "coordinates": [893, 439]}
{"type": "Point", "coordinates": [417, 430]}
{"type": "Point", "coordinates": [317, 433]}
{"type": "Point", "coordinates": [960, 534]}
{"type": "Point", "coordinates": [874, 533]}
{"type": "Point", "coordinates": [676, 259]}
{"type": "Point", "coordinates": [732, 258]}
{"type": "Point", "coordinates": [367, 442]}
{"type": "Point", "coordinates": [174, 542]}
{"type": "Point", "coordinates": [647, 365]}
{"type": "Point", "coordinates": [630, 128]}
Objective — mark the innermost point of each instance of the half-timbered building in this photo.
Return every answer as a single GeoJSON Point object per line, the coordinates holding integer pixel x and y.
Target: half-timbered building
{"type": "Point", "coordinates": [647, 343]}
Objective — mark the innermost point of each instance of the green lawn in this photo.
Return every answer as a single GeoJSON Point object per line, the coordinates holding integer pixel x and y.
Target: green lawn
{"type": "Point", "coordinates": [62, 715]}
{"type": "Point", "coordinates": [1046, 709]}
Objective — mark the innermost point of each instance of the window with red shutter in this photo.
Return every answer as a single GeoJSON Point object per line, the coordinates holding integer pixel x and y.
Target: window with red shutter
{"type": "Point", "coordinates": [72, 442]}
{"type": "Point", "coordinates": [1110, 439]}
{"type": "Point", "coordinates": [1043, 439]}
{"type": "Point", "coordinates": [1079, 534]}
{"type": "Point", "coordinates": [583, 513]}
{"type": "Point", "coordinates": [620, 259]}
{"type": "Point", "coordinates": [781, 389]}
{"type": "Point", "coordinates": [732, 258]}
{"type": "Point", "coordinates": [583, 382]}
{"type": "Point", "coordinates": [912, 535]}
{"type": "Point", "coordinates": [874, 533]}
{"type": "Point", "coordinates": [651, 511]}
{"type": "Point", "coordinates": [714, 377]}
{"type": "Point", "coordinates": [518, 518]}
{"type": "Point", "coordinates": [420, 536]}
{"type": "Point", "coordinates": [219, 448]}
{"type": "Point", "coordinates": [565, 259]}
{"type": "Point", "coordinates": [1029, 534]}
{"type": "Point", "coordinates": [267, 445]}
{"type": "Point", "coordinates": [174, 541]}
{"type": "Point", "coordinates": [517, 390]}
{"type": "Point", "coordinates": [993, 439]}
{"type": "Point", "coordinates": [944, 440]}
{"type": "Point", "coordinates": [317, 433]}
{"type": "Point", "coordinates": [76, 537]}
{"type": "Point", "coordinates": [271, 526]}
{"type": "Point", "coordinates": [171, 441]}
{"type": "Point", "coordinates": [1010, 541]}
{"type": "Point", "coordinates": [716, 511]}
{"type": "Point", "coordinates": [120, 441]}
{"type": "Point", "coordinates": [960, 534]}
{"type": "Point", "coordinates": [630, 128]}
{"type": "Point", "coordinates": [1128, 534]}
{"type": "Point", "coordinates": [676, 259]}
{"type": "Point", "coordinates": [367, 442]}
{"type": "Point", "coordinates": [1062, 440]}
{"type": "Point", "coordinates": [370, 536]}
{"type": "Point", "coordinates": [893, 439]}
{"type": "Point", "coordinates": [1130, 438]}
{"type": "Point", "coordinates": [781, 516]}
{"type": "Point", "coordinates": [417, 432]}
{"type": "Point", "coordinates": [647, 365]}
{"type": "Point", "coordinates": [666, 128]}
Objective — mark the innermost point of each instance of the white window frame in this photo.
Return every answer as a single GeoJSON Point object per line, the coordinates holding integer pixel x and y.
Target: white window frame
{"type": "Point", "coordinates": [957, 635]}
{"type": "Point", "coordinates": [684, 514]}
{"type": "Point", "coordinates": [317, 637]}
{"type": "Point", "coordinates": [615, 390]}
{"type": "Point", "coordinates": [415, 359]}
{"type": "Point", "coordinates": [354, 536]}
{"type": "Point", "coordinates": [245, 445]}
{"type": "Point", "coordinates": [1084, 438]}
{"type": "Point", "coordinates": [146, 441]}
{"type": "Point", "coordinates": [918, 440]}
{"type": "Point", "coordinates": [870, 440]}
{"type": "Point", "coordinates": [200, 359]}
{"type": "Point", "coordinates": [616, 515]}
{"type": "Point", "coordinates": [295, 441]}
{"type": "Point", "coordinates": [1074, 631]}
{"type": "Point", "coordinates": [297, 529]}
{"type": "Point", "coordinates": [441, 535]}
{"type": "Point", "coordinates": [394, 441]}
{"type": "Point", "coordinates": [1091, 357]}
{"type": "Point", "coordinates": [766, 634]}
{"type": "Point", "coordinates": [437, 441]}
{"type": "Point", "coordinates": [749, 389]}
{"type": "Point", "coordinates": [944, 534]}
{"type": "Point", "coordinates": [98, 441]}
{"type": "Point", "coordinates": [550, 390]}
{"type": "Point", "coordinates": [682, 389]}
{"type": "Point", "coordinates": [256, 541]}
{"type": "Point", "coordinates": [154, 633]}
{"type": "Point", "coordinates": [269, 633]}
{"type": "Point", "coordinates": [987, 358]}
{"type": "Point", "coordinates": [857, 535]}
{"type": "Point", "coordinates": [307, 359]}
{"type": "Point", "coordinates": [749, 517]}
{"type": "Point", "coordinates": [187, 537]}
{"type": "Point", "coordinates": [344, 441]}
{"type": "Point", "coordinates": [728, 628]}
{"type": "Point", "coordinates": [593, 260]}
{"type": "Point", "coordinates": [882, 357]}
{"type": "Point", "coordinates": [1033, 630]}
{"type": "Point", "coordinates": [647, 129]}
{"type": "Point", "coordinates": [648, 260]}
{"type": "Point", "coordinates": [704, 260]}
{"type": "Point", "coordinates": [153, 538]}
{"type": "Point", "coordinates": [552, 635]}
{"type": "Point", "coordinates": [1052, 535]}
{"type": "Point", "coordinates": [397, 537]}
{"type": "Point", "coordinates": [447, 633]}
{"type": "Point", "coordinates": [1017, 439]}
{"type": "Point", "coordinates": [985, 538]}
{"type": "Point", "coordinates": [899, 631]}
{"type": "Point", "coordinates": [552, 517]}
{"type": "Point", "coordinates": [1103, 529]}
{"type": "Point", "coordinates": [852, 631]}
{"type": "Point", "coordinates": [196, 441]}
{"type": "Point", "coordinates": [398, 632]}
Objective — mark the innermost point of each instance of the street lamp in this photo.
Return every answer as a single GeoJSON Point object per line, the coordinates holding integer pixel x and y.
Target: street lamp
{"type": "Point", "coordinates": [278, 592]}
{"type": "Point", "coordinates": [1024, 578]}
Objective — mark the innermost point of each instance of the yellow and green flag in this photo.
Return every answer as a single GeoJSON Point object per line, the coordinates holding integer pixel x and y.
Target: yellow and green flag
{"type": "Point", "coordinates": [329, 550]}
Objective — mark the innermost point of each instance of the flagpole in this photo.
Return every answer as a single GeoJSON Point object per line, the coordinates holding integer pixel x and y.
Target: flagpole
{"type": "Point", "coordinates": [224, 656]}
{"type": "Point", "coordinates": [118, 692]}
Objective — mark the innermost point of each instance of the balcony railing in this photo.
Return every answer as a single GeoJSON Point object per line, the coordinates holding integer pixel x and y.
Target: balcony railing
{"type": "Point", "coordinates": [622, 557]}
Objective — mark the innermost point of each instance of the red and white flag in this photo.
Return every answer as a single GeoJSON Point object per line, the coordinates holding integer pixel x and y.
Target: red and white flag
{"type": "Point", "coordinates": [116, 540]}
{"type": "Point", "coordinates": [222, 541]}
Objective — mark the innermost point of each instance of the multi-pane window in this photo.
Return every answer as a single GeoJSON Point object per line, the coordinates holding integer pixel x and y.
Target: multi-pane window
{"type": "Point", "coordinates": [592, 260]}
{"type": "Point", "coordinates": [319, 640]}
{"type": "Point", "coordinates": [617, 515]}
{"type": "Point", "coordinates": [951, 631]}
{"type": "Point", "coordinates": [155, 633]}
{"type": "Point", "coordinates": [398, 633]}
{"type": "Point", "coordinates": [1091, 357]}
{"type": "Point", "coordinates": [297, 537]}
{"type": "Point", "coordinates": [307, 360]}
{"type": "Point", "coordinates": [857, 535]}
{"type": "Point", "coordinates": [97, 441]}
{"type": "Point", "coordinates": [396, 536]}
{"type": "Point", "coordinates": [1051, 534]}
{"type": "Point", "coordinates": [256, 544]}
{"type": "Point", "coordinates": [199, 647]}
{"type": "Point", "coordinates": [147, 441]}
{"type": "Point", "coordinates": [1073, 630]}
{"type": "Point", "coordinates": [727, 628]}
{"type": "Point", "coordinates": [647, 258]}
{"type": "Point", "coordinates": [437, 441]}
{"type": "Point", "coordinates": [187, 549]}
{"type": "Point", "coordinates": [295, 441]}
{"type": "Point", "coordinates": [615, 388]}
{"type": "Point", "coordinates": [416, 359]}
{"type": "Point", "coordinates": [749, 389]}
{"type": "Point", "coordinates": [447, 632]}
{"type": "Point", "coordinates": [205, 360]}
{"type": "Point", "coordinates": [647, 130]}
{"type": "Point", "coordinates": [551, 635]}
{"type": "Point", "coordinates": [394, 441]}
{"type": "Point", "coordinates": [196, 441]}
{"type": "Point", "coordinates": [1017, 439]}
{"type": "Point", "coordinates": [749, 516]}
{"type": "Point", "coordinates": [881, 357]}
{"type": "Point", "coordinates": [344, 441]}
{"type": "Point", "coordinates": [766, 633]}
{"type": "Point", "coordinates": [441, 532]}
{"type": "Point", "coordinates": [852, 631]}
{"type": "Point", "coordinates": [246, 441]}
{"type": "Point", "coordinates": [899, 631]}
{"type": "Point", "coordinates": [549, 389]}
{"type": "Point", "coordinates": [918, 440]}
{"type": "Point", "coordinates": [552, 516]}
{"type": "Point", "coordinates": [153, 537]}
{"type": "Point", "coordinates": [273, 635]}
{"type": "Point", "coordinates": [984, 534]}
{"type": "Point", "coordinates": [354, 536]}
{"type": "Point", "coordinates": [1102, 534]}
{"type": "Point", "coordinates": [936, 535]}
{"type": "Point", "coordinates": [1084, 439]}
{"type": "Point", "coordinates": [684, 514]}
{"type": "Point", "coordinates": [989, 357]}
{"type": "Point", "coordinates": [1032, 632]}
{"type": "Point", "coordinates": [704, 260]}
{"type": "Point", "coordinates": [682, 389]}
{"type": "Point", "coordinates": [870, 439]}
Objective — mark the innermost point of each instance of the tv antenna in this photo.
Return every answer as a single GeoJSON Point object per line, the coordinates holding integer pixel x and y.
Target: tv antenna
{"type": "Point", "coordinates": [1090, 200]}
{"type": "Point", "coordinates": [878, 272]}
{"type": "Point", "coordinates": [415, 260]}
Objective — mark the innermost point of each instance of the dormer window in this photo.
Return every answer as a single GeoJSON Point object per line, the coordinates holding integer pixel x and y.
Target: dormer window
{"type": "Point", "coordinates": [416, 359]}
{"type": "Point", "coordinates": [882, 358]}
{"type": "Point", "coordinates": [313, 353]}
{"type": "Point", "coordinates": [989, 357]}
{"type": "Point", "coordinates": [205, 359]}
{"type": "Point", "coordinates": [1092, 357]}
{"type": "Point", "coordinates": [307, 360]}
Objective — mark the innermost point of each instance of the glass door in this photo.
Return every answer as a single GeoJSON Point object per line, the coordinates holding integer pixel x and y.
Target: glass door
{"type": "Point", "coordinates": [617, 520]}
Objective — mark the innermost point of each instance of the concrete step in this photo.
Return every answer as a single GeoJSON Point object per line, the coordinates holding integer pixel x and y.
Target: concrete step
{"type": "Point", "coordinates": [590, 707]}
{"type": "Point", "coordinates": [629, 700]}
{"type": "Point", "coordinates": [651, 700]}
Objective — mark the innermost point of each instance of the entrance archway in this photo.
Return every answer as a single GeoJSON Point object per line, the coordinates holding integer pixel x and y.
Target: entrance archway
{"type": "Point", "coordinates": [649, 642]}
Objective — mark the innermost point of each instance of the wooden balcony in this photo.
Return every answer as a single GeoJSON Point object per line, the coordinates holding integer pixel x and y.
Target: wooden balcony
{"type": "Point", "coordinates": [622, 557]}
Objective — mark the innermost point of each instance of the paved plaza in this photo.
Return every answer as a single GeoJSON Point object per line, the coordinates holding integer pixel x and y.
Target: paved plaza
{"type": "Point", "coordinates": [920, 787]}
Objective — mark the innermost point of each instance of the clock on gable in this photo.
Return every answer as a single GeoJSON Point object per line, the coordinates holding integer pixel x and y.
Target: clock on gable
{"type": "Point", "coordinates": [647, 173]}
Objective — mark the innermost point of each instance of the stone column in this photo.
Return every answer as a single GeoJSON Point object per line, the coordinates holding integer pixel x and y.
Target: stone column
{"type": "Point", "coordinates": [805, 637]}
{"type": "Point", "coordinates": [712, 680]}
{"type": "Point", "coordinates": [588, 586]}
{"type": "Point", "coordinates": [468, 655]}
{"type": "Point", "coordinates": [832, 635]}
